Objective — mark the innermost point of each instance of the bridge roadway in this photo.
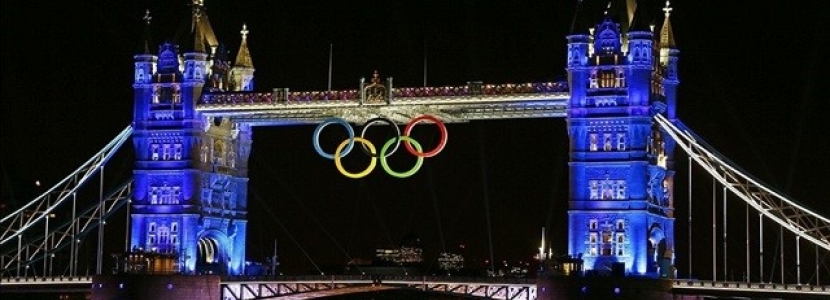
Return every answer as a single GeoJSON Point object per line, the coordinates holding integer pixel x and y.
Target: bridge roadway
{"type": "Point", "coordinates": [310, 287]}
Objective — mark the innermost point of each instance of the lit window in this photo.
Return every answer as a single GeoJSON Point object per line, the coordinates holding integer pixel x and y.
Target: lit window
{"type": "Point", "coordinates": [593, 186]}
{"type": "Point", "coordinates": [607, 145]}
{"type": "Point", "coordinates": [154, 195]}
{"type": "Point", "coordinates": [176, 193]}
{"type": "Point", "coordinates": [607, 190]}
{"type": "Point", "coordinates": [593, 141]}
{"type": "Point", "coordinates": [592, 243]}
{"type": "Point", "coordinates": [154, 151]}
{"type": "Point", "coordinates": [621, 141]}
{"type": "Point", "coordinates": [164, 234]}
{"type": "Point", "coordinates": [620, 189]}
{"type": "Point", "coordinates": [165, 152]}
{"type": "Point", "coordinates": [593, 83]}
{"type": "Point", "coordinates": [177, 151]}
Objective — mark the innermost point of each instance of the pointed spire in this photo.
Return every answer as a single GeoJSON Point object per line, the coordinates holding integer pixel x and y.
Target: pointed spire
{"type": "Point", "coordinates": [243, 57]}
{"type": "Point", "coordinates": [201, 33]}
{"type": "Point", "coordinates": [666, 34]}
{"type": "Point", "coordinates": [146, 39]}
{"type": "Point", "coordinates": [198, 38]}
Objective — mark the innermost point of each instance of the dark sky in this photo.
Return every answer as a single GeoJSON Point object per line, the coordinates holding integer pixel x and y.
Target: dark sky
{"type": "Point", "coordinates": [751, 78]}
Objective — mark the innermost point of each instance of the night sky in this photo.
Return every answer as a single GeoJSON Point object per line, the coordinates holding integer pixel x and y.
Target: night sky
{"type": "Point", "coordinates": [751, 78]}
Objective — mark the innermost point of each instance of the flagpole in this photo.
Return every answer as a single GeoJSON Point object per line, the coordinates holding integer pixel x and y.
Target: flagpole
{"type": "Point", "coordinates": [330, 56]}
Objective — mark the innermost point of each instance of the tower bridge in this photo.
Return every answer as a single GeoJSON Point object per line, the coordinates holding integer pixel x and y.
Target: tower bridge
{"type": "Point", "coordinates": [194, 110]}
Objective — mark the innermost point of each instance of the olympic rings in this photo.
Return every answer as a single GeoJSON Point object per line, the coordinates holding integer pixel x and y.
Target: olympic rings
{"type": "Point", "coordinates": [395, 130]}
{"type": "Point", "coordinates": [327, 122]}
{"type": "Point", "coordinates": [363, 173]}
{"type": "Point", "coordinates": [412, 146]}
{"type": "Point", "coordinates": [414, 169]}
{"type": "Point", "coordinates": [441, 144]}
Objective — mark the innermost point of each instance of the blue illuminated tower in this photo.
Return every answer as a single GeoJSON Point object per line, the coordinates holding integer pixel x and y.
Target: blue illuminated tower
{"type": "Point", "coordinates": [621, 72]}
{"type": "Point", "coordinates": [190, 174]}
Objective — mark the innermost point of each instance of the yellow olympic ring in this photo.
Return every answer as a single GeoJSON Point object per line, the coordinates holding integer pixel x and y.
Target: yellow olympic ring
{"type": "Point", "coordinates": [373, 162]}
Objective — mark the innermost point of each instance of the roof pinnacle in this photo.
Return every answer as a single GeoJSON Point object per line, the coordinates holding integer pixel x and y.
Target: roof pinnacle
{"type": "Point", "coordinates": [244, 31]}
{"type": "Point", "coordinates": [147, 18]}
{"type": "Point", "coordinates": [668, 8]}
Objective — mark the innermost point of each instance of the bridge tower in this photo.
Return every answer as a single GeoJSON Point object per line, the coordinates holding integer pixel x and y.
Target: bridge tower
{"type": "Point", "coordinates": [190, 173]}
{"type": "Point", "coordinates": [621, 72]}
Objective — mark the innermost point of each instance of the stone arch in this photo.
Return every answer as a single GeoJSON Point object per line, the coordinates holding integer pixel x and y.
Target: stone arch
{"type": "Point", "coordinates": [212, 252]}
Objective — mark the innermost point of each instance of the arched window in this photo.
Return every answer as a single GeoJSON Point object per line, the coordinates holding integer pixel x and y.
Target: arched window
{"type": "Point", "coordinates": [607, 144]}
{"type": "Point", "coordinates": [219, 153]}
{"type": "Point", "coordinates": [177, 151]}
{"type": "Point", "coordinates": [154, 151]}
{"type": "Point", "coordinates": [620, 141]}
{"type": "Point", "coordinates": [593, 141]}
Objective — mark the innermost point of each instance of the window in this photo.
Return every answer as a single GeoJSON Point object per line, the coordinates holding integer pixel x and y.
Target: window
{"type": "Point", "coordinates": [164, 235]}
{"type": "Point", "coordinates": [593, 224]}
{"type": "Point", "coordinates": [165, 152]}
{"type": "Point", "coordinates": [593, 141]}
{"type": "Point", "coordinates": [620, 244]}
{"type": "Point", "coordinates": [620, 189]}
{"type": "Point", "coordinates": [620, 225]}
{"type": "Point", "coordinates": [593, 84]}
{"type": "Point", "coordinates": [154, 151]}
{"type": "Point", "coordinates": [140, 76]}
{"type": "Point", "coordinates": [621, 79]}
{"type": "Point", "coordinates": [152, 227]}
{"type": "Point", "coordinates": [154, 195]}
{"type": "Point", "coordinates": [218, 153]}
{"type": "Point", "coordinates": [174, 227]}
{"type": "Point", "coordinates": [174, 239]}
{"type": "Point", "coordinates": [593, 186]}
{"type": "Point", "coordinates": [607, 145]}
{"type": "Point", "coordinates": [151, 239]}
{"type": "Point", "coordinates": [177, 151]}
{"type": "Point", "coordinates": [607, 243]}
{"type": "Point", "coordinates": [592, 243]}
{"type": "Point", "coordinates": [620, 141]}
{"type": "Point", "coordinates": [607, 190]}
{"type": "Point", "coordinates": [176, 193]}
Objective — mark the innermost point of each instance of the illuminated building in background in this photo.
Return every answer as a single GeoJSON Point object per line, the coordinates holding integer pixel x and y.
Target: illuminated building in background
{"type": "Point", "coordinates": [410, 252]}
{"type": "Point", "coordinates": [621, 71]}
{"type": "Point", "coordinates": [190, 174]}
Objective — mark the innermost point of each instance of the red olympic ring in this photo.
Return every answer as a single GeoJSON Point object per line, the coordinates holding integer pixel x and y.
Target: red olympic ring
{"type": "Point", "coordinates": [441, 144]}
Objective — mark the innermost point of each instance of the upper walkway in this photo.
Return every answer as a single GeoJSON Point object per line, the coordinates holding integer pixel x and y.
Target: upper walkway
{"type": "Point", "coordinates": [452, 104]}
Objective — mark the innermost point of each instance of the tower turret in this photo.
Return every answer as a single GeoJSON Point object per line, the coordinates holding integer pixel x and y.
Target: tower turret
{"type": "Point", "coordinates": [668, 61]}
{"type": "Point", "coordinates": [145, 68]}
{"type": "Point", "coordinates": [579, 40]}
{"type": "Point", "coordinates": [640, 49]}
{"type": "Point", "coordinates": [242, 73]}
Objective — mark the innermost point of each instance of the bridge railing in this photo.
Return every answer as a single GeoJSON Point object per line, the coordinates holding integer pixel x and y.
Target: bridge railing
{"type": "Point", "coordinates": [732, 285]}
